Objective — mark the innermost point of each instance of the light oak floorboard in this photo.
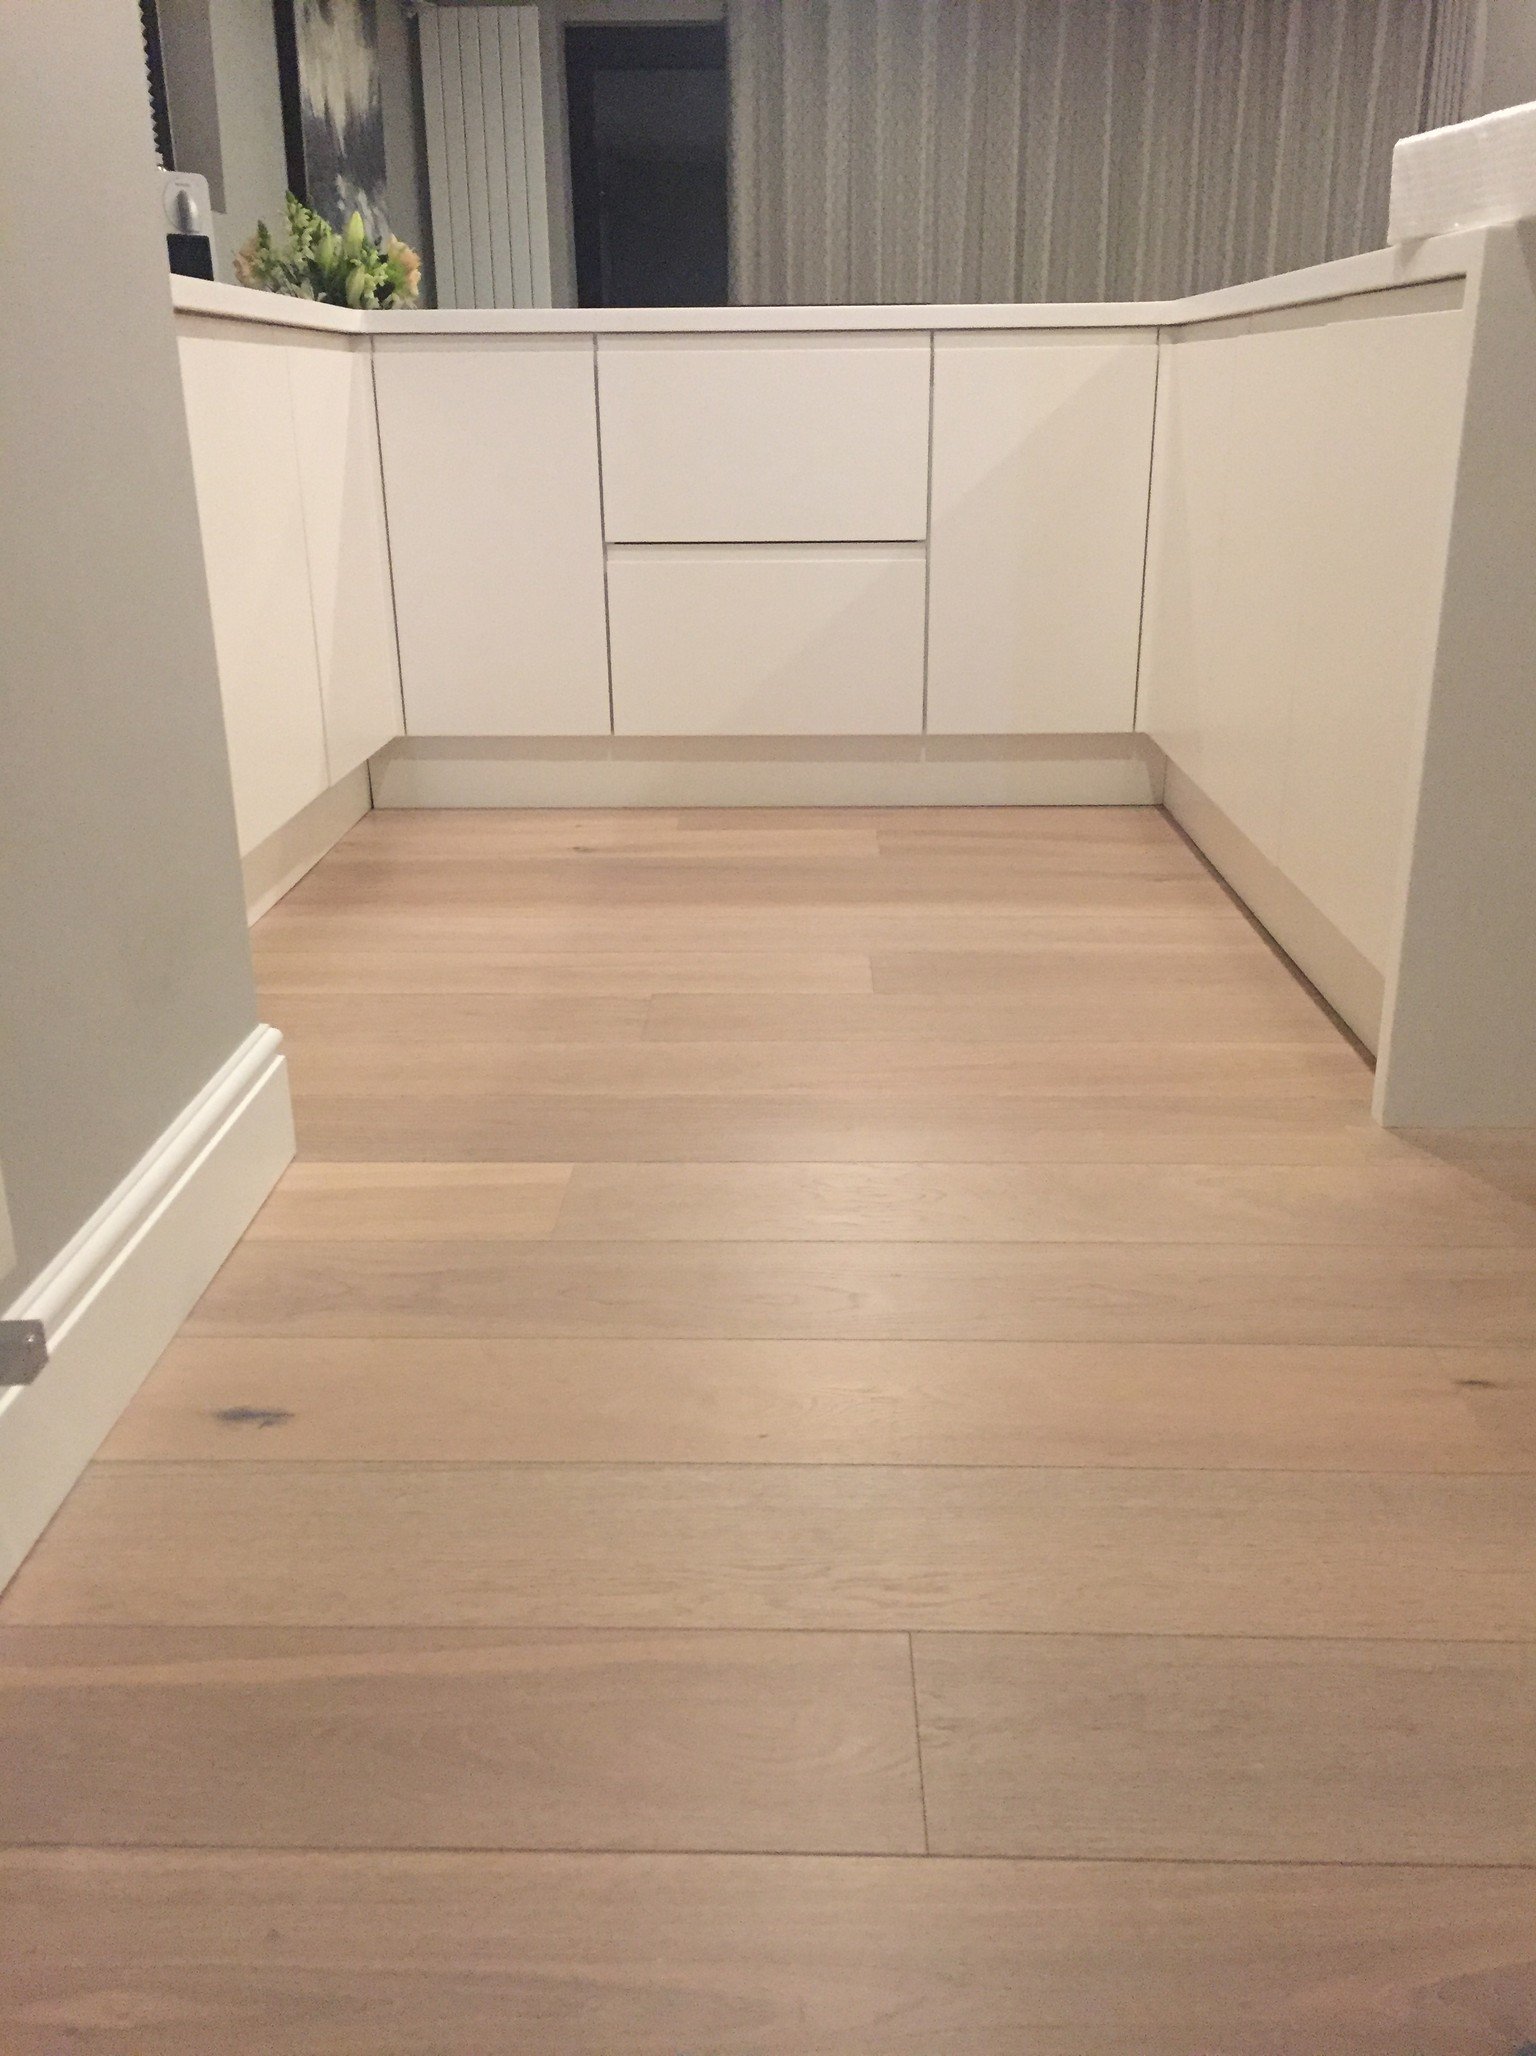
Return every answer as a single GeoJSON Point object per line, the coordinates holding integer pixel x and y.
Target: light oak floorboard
{"type": "Point", "coordinates": [413, 1202]}
{"type": "Point", "coordinates": [1154, 883]}
{"type": "Point", "coordinates": [1229, 1749]}
{"type": "Point", "coordinates": [1259, 1009]}
{"type": "Point", "coordinates": [206, 1954]}
{"type": "Point", "coordinates": [903, 1291]}
{"type": "Point", "coordinates": [645, 837]}
{"type": "Point", "coordinates": [1121, 975]}
{"type": "Point", "coordinates": [540, 983]}
{"type": "Point", "coordinates": [799, 1127]}
{"type": "Point", "coordinates": [1213, 924]}
{"type": "Point", "coordinates": [1004, 825]}
{"type": "Point", "coordinates": [760, 868]}
{"type": "Point", "coordinates": [1116, 1405]}
{"type": "Point", "coordinates": [652, 1546]}
{"type": "Point", "coordinates": [349, 1739]}
{"type": "Point", "coordinates": [367, 1065]}
{"type": "Point", "coordinates": [443, 1015]}
{"type": "Point", "coordinates": [1392, 1205]}
{"type": "Point", "coordinates": [313, 1019]}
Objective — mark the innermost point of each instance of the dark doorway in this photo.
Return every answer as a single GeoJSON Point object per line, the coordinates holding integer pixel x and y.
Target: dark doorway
{"type": "Point", "coordinates": [650, 130]}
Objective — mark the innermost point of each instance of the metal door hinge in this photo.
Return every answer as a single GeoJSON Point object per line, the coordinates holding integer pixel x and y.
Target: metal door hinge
{"type": "Point", "coordinates": [23, 1351]}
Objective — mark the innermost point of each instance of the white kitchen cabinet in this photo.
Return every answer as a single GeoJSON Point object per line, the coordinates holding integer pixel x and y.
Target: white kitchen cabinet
{"type": "Point", "coordinates": [250, 508]}
{"type": "Point", "coordinates": [1295, 560]}
{"type": "Point", "coordinates": [1042, 451]}
{"type": "Point", "coordinates": [348, 548]}
{"type": "Point", "coordinates": [764, 438]}
{"type": "Point", "coordinates": [495, 529]}
{"type": "Point", "coordinates": [1217, 658]}
{"type": "Point", "coordinates": [1180, 660]}
{"type": "Point", "coordinates": [1385, 401]}
{"type": "Point", "coordinates": [773, 640]}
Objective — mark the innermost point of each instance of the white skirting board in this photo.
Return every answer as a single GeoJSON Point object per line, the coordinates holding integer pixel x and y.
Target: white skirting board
{"type": "Point", "coordinates": [114, 1297]}
{"type": "Point", "coordinates": [275, 866]}
{"type": "Point", "coordinates": [1351, 985]}
{"type": "Point", "coordinates": [852, 771]}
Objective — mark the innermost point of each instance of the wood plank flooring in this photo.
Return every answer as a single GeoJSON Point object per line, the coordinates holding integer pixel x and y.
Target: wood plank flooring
{"type": "Point", "coordinates": [845, 1438]}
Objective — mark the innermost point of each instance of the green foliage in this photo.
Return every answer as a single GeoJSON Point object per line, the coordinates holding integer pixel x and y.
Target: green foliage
{"type": "Point", "coordinates": [318, 263]}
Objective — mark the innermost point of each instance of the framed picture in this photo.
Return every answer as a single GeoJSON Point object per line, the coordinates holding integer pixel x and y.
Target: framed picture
{"type": "Point", "coordinates": [333, 108]}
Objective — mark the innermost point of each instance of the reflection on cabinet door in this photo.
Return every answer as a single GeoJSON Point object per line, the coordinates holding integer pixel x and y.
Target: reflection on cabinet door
{"type": "Point", "coordinates": [775, 640]}
{"type": "Point", "coordinates": [495, 530]}
{"type": "Point", "coordinates": [338, 449]}
{"type": "Point", "coordinates": [250, 507]}
{"type": "Point", "coordinates": [1041, 456]}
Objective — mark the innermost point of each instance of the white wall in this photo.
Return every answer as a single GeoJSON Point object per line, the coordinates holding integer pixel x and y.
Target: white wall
{"type": "Point", "coordinates": [1508, 75]}
{"type": "Point", "coordinates": [405, 148]}
{"type": "Point", "coordinates": [250, 122]}
{"type": "Point", "coordinates": [126, 976]}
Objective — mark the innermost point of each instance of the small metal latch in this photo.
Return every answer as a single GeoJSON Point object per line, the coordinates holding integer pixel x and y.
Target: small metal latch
{"type": "Point", "coordinates": [23, 1351]}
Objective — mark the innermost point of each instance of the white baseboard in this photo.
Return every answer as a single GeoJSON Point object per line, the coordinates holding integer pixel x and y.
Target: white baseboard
{"type": "Point", "coordinates": [853, 771]}
{"type": "Point", "coordinates": [114, 1297]}
{"type": "Point", "coordinates": [276, 865]}
{"type": "Point", "coordinates": [1349, 982]}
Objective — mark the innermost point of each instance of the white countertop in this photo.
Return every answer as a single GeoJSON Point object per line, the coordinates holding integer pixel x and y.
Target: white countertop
{"type": "Point", "coordinates": [1441, 257]}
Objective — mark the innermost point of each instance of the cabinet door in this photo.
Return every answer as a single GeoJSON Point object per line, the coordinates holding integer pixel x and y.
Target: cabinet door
{"type": "Point", "coordinates": [1365, 556]}
{"type": "Point", "coordinates": [338, 446]}
{"type": "Point", "coordinates": [495, 530]}
{"type": "Point", "coordinates": [764, 438]}
{"type": "Point", "coordinates": [1041, 456]}
{"type": "Point", "coordinates": [250, 507]}
{"type": "Point", "coordinates": [1300, 514]}
{"type": "Point", "coordinates": [1230, 742]}
{"type": "Point", "coordinates": [778, 640]}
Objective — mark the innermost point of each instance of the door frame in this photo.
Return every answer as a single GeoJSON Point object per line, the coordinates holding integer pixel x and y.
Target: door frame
{"type": "Point", "coordinates": [619, 46]}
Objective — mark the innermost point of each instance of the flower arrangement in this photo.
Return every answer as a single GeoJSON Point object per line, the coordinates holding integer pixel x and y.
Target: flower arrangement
{"type": "Point", "coordinates": [319, 262]}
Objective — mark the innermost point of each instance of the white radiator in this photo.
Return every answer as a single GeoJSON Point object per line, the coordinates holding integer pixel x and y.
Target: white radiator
{"type": "Point", "coordinates": [481, 88]}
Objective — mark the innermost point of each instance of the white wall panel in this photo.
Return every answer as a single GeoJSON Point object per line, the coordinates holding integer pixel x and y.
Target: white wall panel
{"type": "Point", "coordinates": [250, 509]}
{"type": "Point", "coordinates": [765, 438]}
{"type": "Point", "coordinates": [482, 97]}
{"type": "Point", "coordinates": [347, 547]}
{"type": "Point", "coordinates": [1296, 554]}
{"type": "Point", "coordinates": [1390, 395]}
{"type": "Point", "coordinates": [1041, 457]}
{"type": "Point", "coordinates": [781, 640]}
{"type": "Point", "coordinates": [490, 468]}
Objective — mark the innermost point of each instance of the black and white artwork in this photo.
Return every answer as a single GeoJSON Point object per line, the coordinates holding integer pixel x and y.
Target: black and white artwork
{"type": "Point", "coordinates": [335, 109]}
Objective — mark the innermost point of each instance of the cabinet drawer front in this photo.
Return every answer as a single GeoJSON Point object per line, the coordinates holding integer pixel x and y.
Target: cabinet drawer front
{"type": "Point", "coordinates": [777, 641]}
{"type": "Point", "coordinates": [1041, 456]}
{"type": "Point", "coordinates": [764, 439]}
{"type": "Point", "coordinates": [490, 474]}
